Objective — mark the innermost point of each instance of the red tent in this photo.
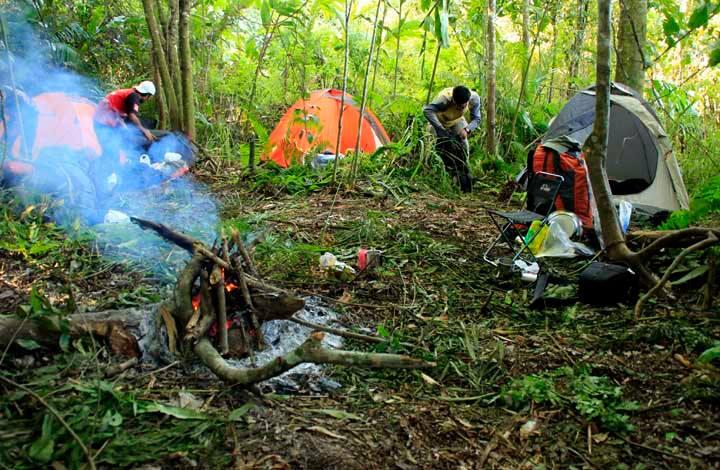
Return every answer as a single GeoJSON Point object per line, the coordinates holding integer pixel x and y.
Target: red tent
{"type": "Point", "coordinates": [57, 120]}
{"type": "Point", "coordinates": [312, 125]}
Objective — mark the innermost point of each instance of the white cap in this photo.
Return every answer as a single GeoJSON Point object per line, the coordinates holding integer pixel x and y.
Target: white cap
{"type": "Point", "coordinates": [146, 88]}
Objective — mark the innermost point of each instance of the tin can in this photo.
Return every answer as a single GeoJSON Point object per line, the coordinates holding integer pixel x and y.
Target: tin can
{"type": "Point", "coordinates": [368, 258]}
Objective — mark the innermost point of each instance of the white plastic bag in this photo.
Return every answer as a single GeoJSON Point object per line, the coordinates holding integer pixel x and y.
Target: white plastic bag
{"type": "Point", "coordinates": [624, 214]}
{"type": "Point", "coordinates": [558, 244]}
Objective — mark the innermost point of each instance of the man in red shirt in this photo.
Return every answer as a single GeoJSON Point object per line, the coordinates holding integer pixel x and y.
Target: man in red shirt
{"type": "Point", "coordinates": [120, 107]}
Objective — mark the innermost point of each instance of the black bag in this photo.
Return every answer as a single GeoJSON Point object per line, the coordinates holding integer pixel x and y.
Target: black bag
{"type": "Point", "coordinates": [607, 284]}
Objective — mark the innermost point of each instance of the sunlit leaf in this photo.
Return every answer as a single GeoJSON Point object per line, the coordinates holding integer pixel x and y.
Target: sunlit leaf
{"type": "Point", "coordinates": [265, 13]}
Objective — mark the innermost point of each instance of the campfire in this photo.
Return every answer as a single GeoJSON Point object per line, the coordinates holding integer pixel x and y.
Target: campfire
{"type": "Point", "coordinates": [220, 303]}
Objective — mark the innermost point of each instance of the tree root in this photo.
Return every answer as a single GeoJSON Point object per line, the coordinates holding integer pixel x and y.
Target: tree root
{"type": "Point", "coordinates": [710, 240]}
{"type": "Point", "coordinates": [310, 351]}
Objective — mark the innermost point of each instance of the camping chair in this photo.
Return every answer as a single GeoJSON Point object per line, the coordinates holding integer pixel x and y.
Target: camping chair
{"type": "Point", "coordinates": [542, 190]}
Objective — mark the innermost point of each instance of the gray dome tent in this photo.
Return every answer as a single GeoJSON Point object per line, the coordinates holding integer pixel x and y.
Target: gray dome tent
{"type": "Point", "coordinates": [641, 166]}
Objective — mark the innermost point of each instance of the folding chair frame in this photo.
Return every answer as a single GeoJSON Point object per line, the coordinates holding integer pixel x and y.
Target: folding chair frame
{"type": "Point", "coordinates": [509, 231]}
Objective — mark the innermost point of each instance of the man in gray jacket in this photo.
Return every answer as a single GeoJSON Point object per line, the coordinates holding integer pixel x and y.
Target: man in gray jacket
{"type": "Point", "coordinates": [446, 118]}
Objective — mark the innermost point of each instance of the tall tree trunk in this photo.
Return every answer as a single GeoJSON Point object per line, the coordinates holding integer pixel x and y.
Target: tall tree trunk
{"type": "Point", "coordinates": [160, 96]}
{"type": "Point", "coordinates": [631, 44]}
{"type": "Point", "coordinates": [490, 111]}
{"type": "Point", "coordinates": [356, 156]}
{"type": "Point", "coordinates": [397, 48]}
{"type": "Point", "coordinates": [575, 52]}
{"type": "Point", "coordinates": [596, 145]}
{"type": "Point", "coordinates": [526, 42]}
{"type": "Point", "coordinates": [348, 11]}
{"type": "Point", "coordinates": [379, 46]}
{"type": "Point", "coordinates": [188, 100]}
{"type": "Point", "coordinates": [161, 18]}
{"type": "Point", "coordinates": [157, 50]}
{"type": "Point", "coordinates": [173, 55]}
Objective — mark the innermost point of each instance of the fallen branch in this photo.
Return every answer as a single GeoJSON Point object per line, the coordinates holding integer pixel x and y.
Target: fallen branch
{"type": "Point", "coordinates": [343, 333]}
{"type": "Point", "coordinates": [710, 240]}
{"type": "Point", "coordinates": [116, 326]}
{"type": "Point", "coordinates": [310, 351]}
{"type": "Point", "coordinates": [669, 239]}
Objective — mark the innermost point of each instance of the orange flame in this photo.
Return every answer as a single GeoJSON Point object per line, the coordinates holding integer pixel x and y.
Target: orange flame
{"type": "Point", "coordinates": [196, 301]}
{"type": "Point", "coordinates": [230, 287]}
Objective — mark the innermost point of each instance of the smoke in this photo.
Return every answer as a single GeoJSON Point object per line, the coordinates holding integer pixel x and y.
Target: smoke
{"type": "Point", "coordinates": [93, 175]}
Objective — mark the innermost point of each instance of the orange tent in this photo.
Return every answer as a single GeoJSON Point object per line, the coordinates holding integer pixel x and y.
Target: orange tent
{"type": "Point", "coordinates": [66, 121]}
{"type": "Point", "coordinates": [57, 120]}
{"type": "Point", "coordinates": [312, 125]}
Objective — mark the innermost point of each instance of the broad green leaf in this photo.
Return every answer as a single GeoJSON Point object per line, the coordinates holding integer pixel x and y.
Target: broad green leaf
{"type": "Point", "coordinates": [29, 344]}
{"type": "Point", "coordinates": [695, 273]}
{"type": "Point", "coordinates": [425, 4]}
{"type": "Point", "coordinates": [699, 16]}
{"type": "Point", "coordinates": [265, 13]}
{"type": "Point", "coordinates": [441, 24]}
{"type": "Point", "coordinates": [236, 415]}
{"type": "Point", "coordinates": [670, 27]}
{"type": "Point", "coordinates": [174, 411]}
{"type": "Point", "coordinates": [337, 414]}
{"type": "Point", "coordinates": [42, 449]}
{"type": "Point", "coordinates": [709, 355]}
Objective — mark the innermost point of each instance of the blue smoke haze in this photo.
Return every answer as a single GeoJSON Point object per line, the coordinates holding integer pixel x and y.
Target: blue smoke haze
{"type": "Point", "coordinates": [83, 184]}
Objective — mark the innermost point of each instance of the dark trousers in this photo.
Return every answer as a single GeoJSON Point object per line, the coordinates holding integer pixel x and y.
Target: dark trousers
{"type": "Point", "coordinates": [453, 152]}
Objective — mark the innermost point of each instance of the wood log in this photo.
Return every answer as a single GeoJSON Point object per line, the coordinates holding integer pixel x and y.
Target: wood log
{"type": "Point", "coordinates": [310, 351]}
{"type": "Point", "coordinates": [120, 328]}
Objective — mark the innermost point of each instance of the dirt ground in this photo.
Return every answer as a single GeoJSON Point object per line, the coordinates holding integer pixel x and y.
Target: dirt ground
{"type": "Point", "coordinates": [433, 290]}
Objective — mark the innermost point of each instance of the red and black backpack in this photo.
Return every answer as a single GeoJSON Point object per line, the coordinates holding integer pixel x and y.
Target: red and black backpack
{"type": "Point", "coordinates": [574, 194]}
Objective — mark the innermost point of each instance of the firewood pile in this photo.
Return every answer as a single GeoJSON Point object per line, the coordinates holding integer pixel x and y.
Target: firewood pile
{"type": "Point", "coordinates": [219, 294]}
{"type": "Point", "coordinates": [220, 303]}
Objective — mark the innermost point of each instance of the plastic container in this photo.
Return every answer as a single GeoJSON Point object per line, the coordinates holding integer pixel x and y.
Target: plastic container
{"type": "Point", "coordinates": [568, 221]}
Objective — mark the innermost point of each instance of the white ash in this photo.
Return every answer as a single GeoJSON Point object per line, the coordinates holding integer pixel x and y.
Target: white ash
{"type": "Point", "coordinates": [281, 337]}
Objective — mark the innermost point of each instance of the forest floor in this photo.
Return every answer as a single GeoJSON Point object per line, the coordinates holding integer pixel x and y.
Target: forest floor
{"type": "Point", "coordinates": [566, 385]}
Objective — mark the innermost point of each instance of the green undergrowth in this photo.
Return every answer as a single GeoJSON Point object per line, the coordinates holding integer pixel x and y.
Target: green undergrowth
{"type": "Point", "coordinates": [594, 397]}
{"type": "Point", "coordinates": [120, 425]}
